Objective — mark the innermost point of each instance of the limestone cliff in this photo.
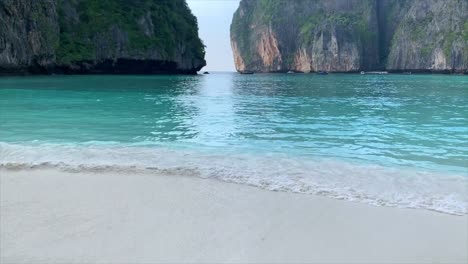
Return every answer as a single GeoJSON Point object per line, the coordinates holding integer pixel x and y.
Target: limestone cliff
{"type": "Point", "coordinates": [99, 36]}
{"type": "Point", "coordinates": [350, 35]}
{"type": "Point", "coordinates": [29, 33]}
{"type": "Point", "coordinates": [430, 35]}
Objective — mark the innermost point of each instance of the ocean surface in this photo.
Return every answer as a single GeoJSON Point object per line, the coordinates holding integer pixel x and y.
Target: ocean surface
{"type": "Point", "coordinates": [395, 140]}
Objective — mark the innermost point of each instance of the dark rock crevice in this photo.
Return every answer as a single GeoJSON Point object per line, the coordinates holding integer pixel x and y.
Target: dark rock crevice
{"type": "Point", "coordinates": [123, 66]}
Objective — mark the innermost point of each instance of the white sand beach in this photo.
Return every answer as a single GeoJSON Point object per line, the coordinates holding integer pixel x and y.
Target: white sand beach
{"type": "Point", "coordinates": [51, 216]}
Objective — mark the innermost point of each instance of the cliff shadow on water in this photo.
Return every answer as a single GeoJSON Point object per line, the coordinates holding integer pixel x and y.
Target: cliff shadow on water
{"type": "Point", "coordinates": [99, 36]}
{"type": "Point", "coordinates": [351, 36]}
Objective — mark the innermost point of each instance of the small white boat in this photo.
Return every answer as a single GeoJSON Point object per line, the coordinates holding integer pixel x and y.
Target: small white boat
{"type": "Point", "coordinates": [375, 72]}
{"type": "Point", "coordinates": [380, 72]}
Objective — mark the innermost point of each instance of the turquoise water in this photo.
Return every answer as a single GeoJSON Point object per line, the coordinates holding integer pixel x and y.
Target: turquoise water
{"type": "Point", "coordinates": [387, 140]}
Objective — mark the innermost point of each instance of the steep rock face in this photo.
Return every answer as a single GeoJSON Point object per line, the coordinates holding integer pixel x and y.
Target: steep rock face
{"type": "Point", "coordinates": [302, 35]}
{"type": "Point", "coordinates": [99, 36]}
{"type": "Point", "coordinates": [29, 34]}
{"type": "Point", "coordinates": [431, 35]}
{"type": "Point", "coordinates": [350, 35]}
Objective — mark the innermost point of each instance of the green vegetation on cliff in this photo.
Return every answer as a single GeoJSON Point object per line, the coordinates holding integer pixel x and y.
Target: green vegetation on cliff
{"type": "Point", "coordinates": [351, 35]}
{"type": "Point", "coordinates": [99, 36]}
{"type": "Point", "coordinates": [143, 24]}
{"type": "Point", "coordinates": [429, 36]}
{"type": "Point", "coordinates": [288, 28]}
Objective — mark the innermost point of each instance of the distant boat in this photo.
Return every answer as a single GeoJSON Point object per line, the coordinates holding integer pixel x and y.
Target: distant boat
{"type": "Point", "coordinates": [408, 73]}
{"type": "Point", "coordinates": [322, 73]}
{"type": "Point", "coordinates": [375, 72]}
{"type": "Point", "coordinates": [289, 72]}
{"type": "Point", "coordinates": [246, 72]}
{"type": "Point", "coordinates": [206, 72]}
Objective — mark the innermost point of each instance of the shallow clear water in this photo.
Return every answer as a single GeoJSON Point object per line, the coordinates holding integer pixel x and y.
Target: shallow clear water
{"type": "Point", "coordinates": [389, 140]}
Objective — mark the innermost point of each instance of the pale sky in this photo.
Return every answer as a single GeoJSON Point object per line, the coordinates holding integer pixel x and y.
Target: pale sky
{"type": "Point", "coordinates": [214, 19]}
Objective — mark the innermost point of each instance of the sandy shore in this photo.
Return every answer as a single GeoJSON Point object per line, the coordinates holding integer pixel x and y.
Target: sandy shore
{"type": "Point", "coordinates": [48, 216]}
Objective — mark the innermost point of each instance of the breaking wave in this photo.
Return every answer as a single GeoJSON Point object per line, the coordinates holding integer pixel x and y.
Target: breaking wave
{"type": "Point", "coordinates": [373, 184]}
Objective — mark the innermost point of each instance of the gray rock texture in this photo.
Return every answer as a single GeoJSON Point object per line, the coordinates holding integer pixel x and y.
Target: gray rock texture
{"type": "Point", "coordinates": [350, 35]}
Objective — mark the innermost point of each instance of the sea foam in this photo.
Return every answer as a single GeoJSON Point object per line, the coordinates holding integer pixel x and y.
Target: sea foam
{"type": "Point", "coordinates": [373, 184]}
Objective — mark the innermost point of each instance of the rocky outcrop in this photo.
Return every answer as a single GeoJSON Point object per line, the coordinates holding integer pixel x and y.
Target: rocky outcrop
{"type": "Point", "coordinates": [29, 34]}
{"type": "Point", "coordinates": [350, 35]}
{"type": "Point", "coordinates": [99, 36]}
{"type": "Point", "coordinates": [281, 35]}
{"type": "Point", "coordinates": [430, 35]}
